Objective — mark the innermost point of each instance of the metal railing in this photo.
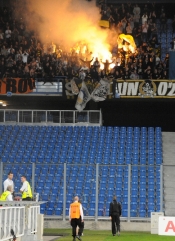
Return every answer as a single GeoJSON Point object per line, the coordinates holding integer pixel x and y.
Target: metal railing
{"type": "Point", "coordinates": [62, 175]}
{"type": "Point", "coordinates": [33, 211]}
{"type": "Point", "coordinates": [11, 218]}
{"type": "Point", "coordinates": [51, 117]}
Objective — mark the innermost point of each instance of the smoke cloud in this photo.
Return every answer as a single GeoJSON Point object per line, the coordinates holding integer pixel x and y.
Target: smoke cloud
{"type": "Point", "coordinates": [64, 21]}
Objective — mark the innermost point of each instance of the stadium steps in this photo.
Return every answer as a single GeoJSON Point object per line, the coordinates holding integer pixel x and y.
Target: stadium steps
{"type": "Point", "coordinates": [169, 172]}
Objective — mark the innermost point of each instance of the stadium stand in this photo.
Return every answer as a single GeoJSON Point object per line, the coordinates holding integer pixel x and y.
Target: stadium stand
{"type": "Point", "coordinates": [114, 148]}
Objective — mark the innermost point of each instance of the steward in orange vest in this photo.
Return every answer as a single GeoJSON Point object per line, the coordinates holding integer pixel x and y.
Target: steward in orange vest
{"type": "Point", "coordinates": [75, 212]}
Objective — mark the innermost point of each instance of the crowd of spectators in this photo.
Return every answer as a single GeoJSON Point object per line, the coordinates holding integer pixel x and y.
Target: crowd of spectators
{"type": "Point", "coordinates": [23, 55]}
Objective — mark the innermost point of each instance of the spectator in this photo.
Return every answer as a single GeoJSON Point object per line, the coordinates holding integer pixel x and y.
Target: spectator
{"type": "Point", "coordinates": [1, 35]}
{"type": "Point", "coordinates": [155, 74]}
{"type": "Point", "coordinates": [138, 37]}
{"type": "Point", "coordinates": [144, 18]}
{"type": "Point", "coordinates": [8, 34]}
{"type": "Point", "coordinates": [173, 24]}
{"type": "Point", "coordinates": [129, 29]}
{"type": "Point", "coordinates": [163, 22]}
{"type": "Point", "coordinates": [136, 10]}
{"type": "Point", "coordinates": [145, 32]}
{"type": "Point", "coordinates": [136, 19]}
{"type": "Point", "coordinates": [140, 71]}
{"type": "Point", "coordinates": [164, 74]}
{"type": "Point", "coordinates": [134, 75]}
{"type": "Point", "coordinates": [4, 51]}
{"type": "Point", "coordinates": [152, 16]}
{"type": "Point", "coordinates": [173, 43]}
{"type": "Point", "coordinates": [145, 9]}
{"type": "Point", "coordinates": [25, 57]}
{"type": "Point", "coordinates": [147, 73]}
{"type": "Point", "coordinates": [154, 31]}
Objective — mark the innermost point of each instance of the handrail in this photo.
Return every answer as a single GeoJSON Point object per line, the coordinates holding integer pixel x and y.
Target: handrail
{"type": "Point", "coordinates": [51, 117]}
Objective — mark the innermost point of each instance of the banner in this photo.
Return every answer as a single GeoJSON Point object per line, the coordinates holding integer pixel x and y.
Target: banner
{"type": "Point", "coordinates": [70, 93]}
{"type": "Point", "coordinates": [101, 90]}
{"type": "Point", "coordinates": [17, 85]}
{"type": "Point", "coordinates": [104, 23]}
{"type": "Point", "coordinates": [74, 87]}
{"type": "Point", "coordinates": [166, 226]}
{"type": "Point", "coordinates": [144, 89]}
{"type": "Point", "coordinates": [83, 97]}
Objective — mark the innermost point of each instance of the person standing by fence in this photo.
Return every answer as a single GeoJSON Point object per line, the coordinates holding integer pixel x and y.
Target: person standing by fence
{"type": "Point", "coordinates": [115, 213]}
{"type": "Point", "coordinates": [7, 195]}
{"type": "Point", "coordinates": [9, 181]}
{"type": "Point", "coordinates": [26, 190]}
{"type": "Point", "coordinates": [76, 217]}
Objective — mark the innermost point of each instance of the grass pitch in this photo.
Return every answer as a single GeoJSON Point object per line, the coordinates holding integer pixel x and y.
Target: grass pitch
{"type": "Point", "coordinates": [93, 235]}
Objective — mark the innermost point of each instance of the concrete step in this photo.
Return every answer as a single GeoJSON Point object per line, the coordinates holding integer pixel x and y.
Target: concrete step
{"type": "Point", "coordinates": [168, 184]}
{"type": "Point", "coordinates": [170, 213]}
{"type": "Point", "coordinates": [169, 190]}
{"type": "Point", "coordinates": [169, 197]}
{"type": "Point", "coordinates": [169, 172]}
{"type": "Point", "coordinates": [169, 204]}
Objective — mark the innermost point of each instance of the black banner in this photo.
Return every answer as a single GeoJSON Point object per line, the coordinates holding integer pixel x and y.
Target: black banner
{"type": "Point", "coordinates": [144, 89]}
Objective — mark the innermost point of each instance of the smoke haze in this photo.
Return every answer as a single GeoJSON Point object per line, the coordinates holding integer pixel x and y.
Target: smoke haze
{"type": "Point", "coordinates": [64, 21]}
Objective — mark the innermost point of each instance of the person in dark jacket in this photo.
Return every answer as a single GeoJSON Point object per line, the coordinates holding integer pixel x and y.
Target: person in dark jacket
{"type": "Point", "coordinates": [115, 213]}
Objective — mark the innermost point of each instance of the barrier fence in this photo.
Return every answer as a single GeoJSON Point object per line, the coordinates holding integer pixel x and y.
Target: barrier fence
{"type": "Point", "coordinates": [139, 188]}
{"type": "Point", "coordinates": [33, 211]}
{"type": "Point", "coordinates": [51, 117]}
{"type": "Point", "coordinates": [12, 218]}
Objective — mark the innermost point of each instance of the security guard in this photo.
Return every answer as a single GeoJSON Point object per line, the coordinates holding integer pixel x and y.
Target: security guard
{"type": "Point", "coordinates": [7, 195]}
{"type": "Point", "coordinates": [80, 228]}
{"type": "Point", "coordinates": [75, 212]}
{"type": "Point", "coordinates": [26, 190]}
{"type": "Point", "coordinates": [115, 213]}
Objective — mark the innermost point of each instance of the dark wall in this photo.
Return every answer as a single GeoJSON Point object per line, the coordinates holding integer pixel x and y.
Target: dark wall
{"type": "Point", "coordinates": [118, 112]}
{"type": "Point", "coordinates": [140, 113]}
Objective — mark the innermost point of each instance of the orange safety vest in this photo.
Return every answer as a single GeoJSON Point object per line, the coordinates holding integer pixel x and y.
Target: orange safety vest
{"type": "Point", "coordinates": [75, 210]}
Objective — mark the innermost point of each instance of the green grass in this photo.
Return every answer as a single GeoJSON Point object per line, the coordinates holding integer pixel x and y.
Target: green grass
{"type": "Point", "coordinates": [91, 235]}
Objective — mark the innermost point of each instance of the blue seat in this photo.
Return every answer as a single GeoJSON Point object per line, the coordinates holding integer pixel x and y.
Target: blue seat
{"type": "Point", "coordinates": [49, 211]}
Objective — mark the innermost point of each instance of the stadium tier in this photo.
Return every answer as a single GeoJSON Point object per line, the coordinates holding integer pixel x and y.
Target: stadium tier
{"type": "Point", "coordinates": [81, 148]}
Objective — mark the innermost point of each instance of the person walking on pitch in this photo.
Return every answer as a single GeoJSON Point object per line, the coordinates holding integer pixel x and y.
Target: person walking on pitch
{"type": "Point", "coordinates": [76, 217]}
{"type": "Point", "coordinates": [115, 213]}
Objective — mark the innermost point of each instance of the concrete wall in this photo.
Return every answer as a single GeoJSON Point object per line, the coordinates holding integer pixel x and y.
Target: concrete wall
{"type": "Point", "coordinates": [101, 225]}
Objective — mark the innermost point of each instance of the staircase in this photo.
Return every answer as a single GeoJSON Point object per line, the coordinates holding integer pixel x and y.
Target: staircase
{"type": "Point", "coordinates": [169, 172]}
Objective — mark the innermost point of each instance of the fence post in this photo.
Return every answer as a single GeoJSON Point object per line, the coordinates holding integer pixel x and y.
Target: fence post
{"type": "Point", "coordinates": [33, 177]}
{"type": "Point", "coordinates": [129, 190]}
{"type": "Point", "coordinates": [46, 116]}
{"type": "Point", "coordinates": [161, 188]}
{"type": "Point", "coordinates": [96, 193]}
{"type": "Point", "coordinates": [1, 176]}
{"type": "Point", "coordinates": [64, 194]}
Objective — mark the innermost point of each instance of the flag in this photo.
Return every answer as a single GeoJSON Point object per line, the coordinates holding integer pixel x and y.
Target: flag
{"type": "Point", "coordinates": [74, 87]}
{"type": "Point", "coordinates": [101, 90]}
{"type": "Point", "coordinates": [82, 98]}
{"type": "Point", "coordinates": [104, 23]}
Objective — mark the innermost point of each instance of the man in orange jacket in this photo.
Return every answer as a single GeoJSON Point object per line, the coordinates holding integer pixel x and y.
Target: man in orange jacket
{"type": "Point", "coordinates": [75, 211]}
